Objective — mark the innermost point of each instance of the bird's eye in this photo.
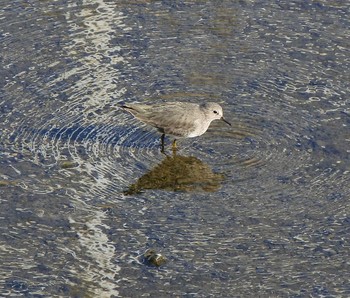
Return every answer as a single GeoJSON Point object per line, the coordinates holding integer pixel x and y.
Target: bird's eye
{"type": "Point", "coordinates": [215, 112]}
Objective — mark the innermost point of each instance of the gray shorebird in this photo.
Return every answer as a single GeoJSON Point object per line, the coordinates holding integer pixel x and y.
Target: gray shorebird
{"type": "Point", "coordinates": [178, 119]}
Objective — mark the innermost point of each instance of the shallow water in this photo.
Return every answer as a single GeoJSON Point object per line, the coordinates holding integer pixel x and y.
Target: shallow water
{"type": "Point", "coordinates": [260, 208]}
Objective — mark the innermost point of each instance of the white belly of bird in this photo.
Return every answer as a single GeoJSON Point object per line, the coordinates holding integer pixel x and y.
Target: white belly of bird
{"type": "Point", "coordinates": [201, 128]}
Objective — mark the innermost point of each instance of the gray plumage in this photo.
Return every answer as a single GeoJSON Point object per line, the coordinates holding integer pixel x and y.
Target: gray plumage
{"type": "Point", "coordinates": [179, 119]}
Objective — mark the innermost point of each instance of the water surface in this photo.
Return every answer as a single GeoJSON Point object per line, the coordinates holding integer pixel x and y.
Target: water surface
{"type": "Point", "coordinates": [260, 208]}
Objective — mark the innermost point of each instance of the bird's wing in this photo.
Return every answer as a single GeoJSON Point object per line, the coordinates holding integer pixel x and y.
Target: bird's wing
{"type": "Point", "coordinates": [173, 120]}
{"type": "Point", "coordinates": [168, 118]}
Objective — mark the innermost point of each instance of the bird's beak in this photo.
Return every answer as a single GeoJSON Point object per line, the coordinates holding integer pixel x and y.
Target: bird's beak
{"type": "Point", "coordinates": [223, 119]}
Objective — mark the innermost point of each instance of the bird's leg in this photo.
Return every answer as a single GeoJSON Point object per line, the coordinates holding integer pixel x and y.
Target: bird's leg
{"type": "Point", "coordinates": [162, 143]}
{"type": "Point", "coordinates": [174, 147]}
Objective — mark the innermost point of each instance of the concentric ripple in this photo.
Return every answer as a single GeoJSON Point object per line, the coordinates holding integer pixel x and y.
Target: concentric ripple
{"type": "Point", "coordinates": [102, 144]}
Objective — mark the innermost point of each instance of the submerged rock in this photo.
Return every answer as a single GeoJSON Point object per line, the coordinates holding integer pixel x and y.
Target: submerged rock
{"type": "Point", "coordinates": [152, 258]}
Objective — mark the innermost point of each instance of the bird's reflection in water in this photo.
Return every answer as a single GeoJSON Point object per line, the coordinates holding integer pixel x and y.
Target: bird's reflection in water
{"type": "Point", "coordinates": [179, 173]}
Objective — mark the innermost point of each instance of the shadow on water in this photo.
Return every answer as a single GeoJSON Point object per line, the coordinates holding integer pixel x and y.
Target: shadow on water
{"type": "Point", "coordinates": [178, 173]}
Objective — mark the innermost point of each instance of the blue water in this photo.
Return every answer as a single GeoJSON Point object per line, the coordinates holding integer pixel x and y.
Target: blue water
{"type": "Point", "coordinates": [257, 209]}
